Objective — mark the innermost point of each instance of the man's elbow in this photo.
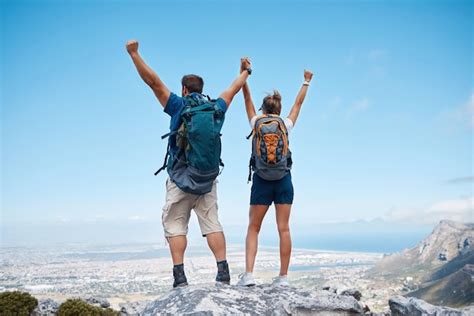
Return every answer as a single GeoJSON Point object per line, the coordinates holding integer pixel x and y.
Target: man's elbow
{"type": "Point", "coordinates": [227, 95]}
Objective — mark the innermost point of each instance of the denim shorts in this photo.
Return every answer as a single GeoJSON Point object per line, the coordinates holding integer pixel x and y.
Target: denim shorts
{"type": "Point", "coordinates": [266, 192]}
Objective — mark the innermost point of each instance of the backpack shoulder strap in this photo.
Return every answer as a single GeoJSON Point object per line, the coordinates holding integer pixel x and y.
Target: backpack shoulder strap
{"type": "Point", "coordinates": [258, 118]}
{"type": "Point", "coordinates": [282, 125]}
{"type": "Point", "coordinates": [165, 162]}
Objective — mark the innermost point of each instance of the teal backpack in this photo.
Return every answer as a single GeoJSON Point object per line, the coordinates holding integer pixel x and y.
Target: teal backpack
{"type": "Point", "coordinates": [197, 162]}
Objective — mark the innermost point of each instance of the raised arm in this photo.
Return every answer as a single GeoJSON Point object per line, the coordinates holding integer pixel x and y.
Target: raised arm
{"type": "Point", "coordinates": [295, 110]}
{"type": "Point", "coordinates": [234, 88]}
{"type": "Point", "coordinates": [249, 106]}
{"type": "Point", "coordinates": [147, 74]}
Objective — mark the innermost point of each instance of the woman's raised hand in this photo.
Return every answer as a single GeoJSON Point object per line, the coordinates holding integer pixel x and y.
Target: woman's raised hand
{"type": "Point", "coordinates": [244, 63]}
{"type": "Point", "coordinates": [308, 75]}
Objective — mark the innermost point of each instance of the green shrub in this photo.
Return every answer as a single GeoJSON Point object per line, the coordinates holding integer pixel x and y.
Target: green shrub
{"type": "Point", "coordinates": [17, 303]}
{"type": "Point", "coordinates": [77, 307]}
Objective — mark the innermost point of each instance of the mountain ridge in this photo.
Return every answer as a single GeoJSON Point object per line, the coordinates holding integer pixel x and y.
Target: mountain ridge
{"type": "Point", "coordinates": [438, 269]}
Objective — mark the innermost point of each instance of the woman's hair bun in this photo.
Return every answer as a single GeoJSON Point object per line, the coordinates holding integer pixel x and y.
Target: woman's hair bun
{"type": "Point", "coordinates": [276, 95]}
{"type": "Point", "coordinates": [272, 103]}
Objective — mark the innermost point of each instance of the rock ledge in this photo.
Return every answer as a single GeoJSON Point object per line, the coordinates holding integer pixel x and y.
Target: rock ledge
{"type": "Point", "coordinates": [257, 300]}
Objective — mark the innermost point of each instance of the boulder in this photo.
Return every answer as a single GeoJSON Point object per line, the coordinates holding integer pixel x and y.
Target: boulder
{"type": "Point", "coordinates": [46, 307]}
{"type": "Point", "coordinates": [400, 305]}
{"type": "Point", "coordinates": [257, 300]}
{"type": "Point", "coordinates": [96, 301]}
{"type": "Point", "coordinates": [133, 308]}
{"type": "Point", "coordinates": [352, 292]}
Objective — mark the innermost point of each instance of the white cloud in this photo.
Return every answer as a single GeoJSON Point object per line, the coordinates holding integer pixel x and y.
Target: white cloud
{"type": "Point", "coordinates": [461, 210]}
{"type": "Point", "coordinates": [377, 54]}
{"type": "Point", "coordinates": [358, 106]}
{"type": "Point", "coordinates": [64, 220]}
{"type": "Point", "coordinates": [337, 107]}
{"type": "Point", "coordinates": [460, 180]}
{"type": "Point", "coordinates": [461, 116]}
{"type": "Point", "coordinates": [469, 109]}
{"type": "Point", "coordinates": [136, 218]}
{"type": "Point", "coordinates": [95, 218]}
{"type": "Point", "coordinates": [465, 112]}
{"type": "Point", "coordinates": [374, 55]}
{"type": "Point", "coordinates": [361, 105]}
{"type": "Point", "coordinates": [331, 108]}
{"type": "Point", "coordinates": [452, 206]}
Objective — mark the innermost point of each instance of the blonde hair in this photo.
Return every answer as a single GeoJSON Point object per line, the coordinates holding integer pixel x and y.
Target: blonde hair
{"type": "Point", "coordinates": [272, 103]}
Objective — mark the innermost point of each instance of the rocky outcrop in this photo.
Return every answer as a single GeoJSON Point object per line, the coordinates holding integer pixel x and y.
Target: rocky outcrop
{"type": "Point", "coordinates": [257, 300]}
{"type": "Point", "coordinates": [133, 308]}
{"type": "Point", "coordinates": [96, 301]}
{"type": "Point", "coordinates": [400, 305]}
{"type": "Point", "coordinates": [46, 307]}
{"type": "Point", "coordinates": [264, 300]}
{"type": "Point", "coordinates": [439, 269]}
{"type": "Point", "coordinates": [456, 289]}
{"type": "Point", "coordinates": [352, 292]}
{"type": "Point", "coordinates": [448, 240]}
{"type": "Point", "coordinates": [49, 307]}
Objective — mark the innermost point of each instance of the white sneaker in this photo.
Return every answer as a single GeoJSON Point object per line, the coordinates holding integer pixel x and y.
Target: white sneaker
{"type": "Point", "coordinates": [246, 279]}
{"type": "Point", "coordinates": [280, 280]}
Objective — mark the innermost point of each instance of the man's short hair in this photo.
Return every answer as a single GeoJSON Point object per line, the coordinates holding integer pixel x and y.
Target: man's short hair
{"type": "Point", "coordinates": [193, 83]}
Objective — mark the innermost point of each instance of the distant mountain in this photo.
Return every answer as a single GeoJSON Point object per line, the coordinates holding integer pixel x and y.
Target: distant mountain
{"type": "Point", "coordinates": [439, 269]}
{"type": "Point", "coordinates": [452, 266]}
{"type": "Point", "coordinates": [448, 240]}
{"type": "Point", "coordinates": [454, 290]}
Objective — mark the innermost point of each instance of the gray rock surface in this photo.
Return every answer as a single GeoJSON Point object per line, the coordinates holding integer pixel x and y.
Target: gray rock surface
{"type": "Point", "coordinates": [400, 305]}
{"type": "Point", "coordinates": [330, 289]}
{"type": "Point", "coordinates": [257, 300]}
{"type": "Point", "coordinates": [96, 301]}
{"type": "Point", "coordinates": [133, 308]}
{"type": "Point", "coordinates": [352, 292]}
{"type": "Point", "coordinates": [46, 307]}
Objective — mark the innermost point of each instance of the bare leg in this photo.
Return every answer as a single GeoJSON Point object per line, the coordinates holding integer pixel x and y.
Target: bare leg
{"type": "Point", "coordinates": [257, 213]}
{"type": "Point", "coordinates": [216, 242]}
{"type": "Point", "coordinates": [283, 217]}
{"type": "Point", "coordinates": [177, 246]}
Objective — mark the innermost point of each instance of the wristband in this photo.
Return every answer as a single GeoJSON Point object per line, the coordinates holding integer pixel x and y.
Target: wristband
{"type": "Point", "coordinates": [249, 70]}
{"type": "Point", "coordinates": [306, 83]}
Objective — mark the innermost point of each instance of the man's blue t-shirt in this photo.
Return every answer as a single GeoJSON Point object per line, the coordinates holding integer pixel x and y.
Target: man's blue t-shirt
{"type": "Point", "coordinates": [173, 108]}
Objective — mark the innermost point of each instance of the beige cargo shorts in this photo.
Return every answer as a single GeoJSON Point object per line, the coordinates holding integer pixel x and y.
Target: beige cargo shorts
{"type": "Point", "coordinates": [178, 206]}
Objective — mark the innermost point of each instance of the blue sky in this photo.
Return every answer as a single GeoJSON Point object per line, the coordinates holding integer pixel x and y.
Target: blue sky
{"type": "Point", "coordinates": [385, 131]}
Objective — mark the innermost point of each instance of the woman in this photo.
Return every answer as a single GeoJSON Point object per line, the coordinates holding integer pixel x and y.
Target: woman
{"type": "Point", "coordinates": [265, 192]}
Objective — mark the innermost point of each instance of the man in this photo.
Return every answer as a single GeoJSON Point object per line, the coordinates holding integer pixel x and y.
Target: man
{"type": "Point", "coordinates": [181, 188]}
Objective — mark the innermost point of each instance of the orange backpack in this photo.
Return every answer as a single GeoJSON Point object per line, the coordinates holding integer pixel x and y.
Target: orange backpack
{"type": "Point", "coordinates": [271, 156]}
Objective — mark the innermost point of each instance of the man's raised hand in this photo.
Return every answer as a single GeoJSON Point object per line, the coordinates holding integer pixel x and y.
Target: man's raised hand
{"type": "Point", "coordinates": [132, 46]}
{"type": "Point", "coordinates": [147, 74]}
{"type": "Point", "coordinates": [244, 63]}
{"type": "Point", "coordinates": [308, 75]}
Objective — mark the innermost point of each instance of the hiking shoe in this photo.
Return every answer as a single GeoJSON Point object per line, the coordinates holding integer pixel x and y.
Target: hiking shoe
{"type": "Point", "coordinates": [280, 280]}
{"type": "Point", "coordinates": [223, 274]}
{"type": "Point", "coordinates": [246, 279]}
{"type": "Point", "coordinates": [179, 276]}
